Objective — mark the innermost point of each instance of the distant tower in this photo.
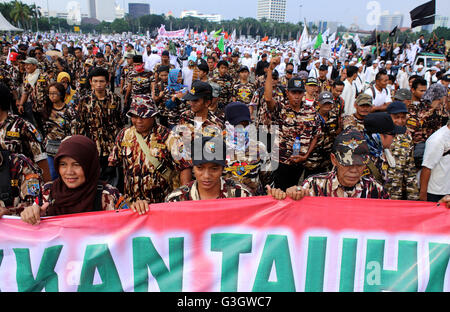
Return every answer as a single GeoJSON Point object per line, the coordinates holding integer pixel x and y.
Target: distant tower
{"type": "Point", "coordinates": [274, 10]}
{"type": "Point", "coordinates": [92, 10]}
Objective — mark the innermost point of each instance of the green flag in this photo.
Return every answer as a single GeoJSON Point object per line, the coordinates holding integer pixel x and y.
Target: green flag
{"type": "Point", "coordinates": [217, 33]}
{"type": "Point", "coordinates": [221, 45]}
{"type": "Point", "coordinates": [319, 41]}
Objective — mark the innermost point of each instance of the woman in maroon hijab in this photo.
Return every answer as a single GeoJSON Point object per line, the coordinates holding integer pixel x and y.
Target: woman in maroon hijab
{"type": "Point", "coordinates": [78, 188]}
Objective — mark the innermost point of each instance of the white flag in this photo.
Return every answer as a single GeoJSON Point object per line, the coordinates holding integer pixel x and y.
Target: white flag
{"type": "Point", "coordinates": [303, 40]}
{"type": "Point", "coordinates": [357, 41]}
{"type": "Point", "coordinates": [233, 35]}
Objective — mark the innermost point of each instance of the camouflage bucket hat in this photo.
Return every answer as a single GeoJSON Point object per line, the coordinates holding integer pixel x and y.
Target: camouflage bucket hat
{"type": "Point", "coordinates": [142, 106]}
{"type": "Point", "coordinates": [351, 149]}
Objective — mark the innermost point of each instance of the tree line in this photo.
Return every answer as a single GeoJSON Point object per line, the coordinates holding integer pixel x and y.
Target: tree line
{"type": "Point", "coordinates": [29, 18]}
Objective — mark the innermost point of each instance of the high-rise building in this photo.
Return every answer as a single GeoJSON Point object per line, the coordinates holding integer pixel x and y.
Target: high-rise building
{"type": "Point", "coordinates": [92, 10]}
{"type": "Point", "coordinates": [210, 17]}
{"type": "Point", "coordinates": [103, 10]}
{"type": "Point", "coordinates": [136, 10]}
{"type": "Point", "coordinates": [274, 10]}
{"type": "Point", "coordinates": [440, 21]}
{"type": "Point", "coordinates": [389, 21]}
{"type": "Point", "coordinates": [322, 26]}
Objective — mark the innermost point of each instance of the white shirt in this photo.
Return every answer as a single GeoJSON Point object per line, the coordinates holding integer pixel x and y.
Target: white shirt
{"type": "Point", "coordinates": [314, 72]}
{"type": "Point", "coordinates": [349, 96]}
{"type": "Point", "coordinates": [151, 61]}
{"type": "Point", "coordinates": [247, 62]}
{"type": "Point", "coordinates": [380, 97]}
{"type": "Point", "coordinates": [402, 79]}
{"type": "Point", "coordinates": [437, 145]}
{"type": "Point", "coordinates": [371, 73]}
{"type": "Point", "coordinates": [187, 74]}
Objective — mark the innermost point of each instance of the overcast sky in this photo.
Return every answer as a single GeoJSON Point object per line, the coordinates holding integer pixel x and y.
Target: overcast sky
{"type": "Point", "coordinates": [343, 11]}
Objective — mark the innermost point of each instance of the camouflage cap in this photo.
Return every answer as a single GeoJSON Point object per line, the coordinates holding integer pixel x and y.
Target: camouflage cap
{"type": "Point", "coordinates": [364, 99]}
{"type": "Point", "coordinates": [402, 95]}
{"type": "Point", "coordinates": [351, 149]}
{"type": "Point", "coordinates": [142, 106]}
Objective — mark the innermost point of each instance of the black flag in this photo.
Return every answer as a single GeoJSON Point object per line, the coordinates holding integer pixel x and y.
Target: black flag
{"type": "Point", "coordinates": [423, 14]}
{"type": "Point", "coordinates": [371, 40]}
{"type": "Point", "coordinates": [393, 32]}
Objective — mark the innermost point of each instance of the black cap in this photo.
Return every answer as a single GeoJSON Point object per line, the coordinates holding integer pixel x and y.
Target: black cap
{"type": "Point", "coordinates": [243, 68]}
{"type": "Point", "coordinates": [381, 122]}
{"type": "Point", "coordinates": [199, 90]}
{"type": "Point", "coordinates": [397, 107]}
{"type": "Point", "coordinates": [446, 77]}
{"type": "Point", "coordinates": [137, 59]}
{"type": "Point", "coordinates": [323, 67]}
{"type": "Point", "coordinates": [213, 150]}
{"type": "Point", "coordinates": [326, 97]}
{"type": "Point", "coordinates": [311, 81]}
{"type": "Point", "coordinates": [235, 54]}
{"type": "Point", "coordinates": [165, 53]}
{"type": "Point", "coordinates": [99, 55]}
{"type": "Point", "coordinates": [295, 84]}
{"type": "Point", "coordinates": [237, 112]}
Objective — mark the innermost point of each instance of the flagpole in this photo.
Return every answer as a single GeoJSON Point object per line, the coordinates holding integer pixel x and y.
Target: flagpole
{"type": "Point", "coordinates": [376, 39]}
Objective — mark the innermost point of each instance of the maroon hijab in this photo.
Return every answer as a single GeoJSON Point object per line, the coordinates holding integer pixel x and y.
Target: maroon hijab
{"type": "Point", "coordinates": [81, 199]}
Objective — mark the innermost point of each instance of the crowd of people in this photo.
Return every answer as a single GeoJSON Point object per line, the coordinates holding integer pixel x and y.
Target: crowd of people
{"type": "Point", "coordinates": [106, 123]}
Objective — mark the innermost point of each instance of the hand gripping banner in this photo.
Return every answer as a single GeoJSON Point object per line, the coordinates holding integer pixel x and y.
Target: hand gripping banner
{"type": "Point", "coordinates": [255, 244]}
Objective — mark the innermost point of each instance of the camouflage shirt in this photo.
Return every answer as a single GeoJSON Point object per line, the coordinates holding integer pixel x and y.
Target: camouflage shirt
{"type": "Point", "coordinates": [37, 94]}
{"type": "Point", "coordinates": [243, 92]}
{"type": "Point", "coordinates": [26, 182]}
{"type": "Point", "coordinates": [45, 65]}
{"type": "Point", "coordinates": [61, 123]}
{"type": "Point", "coordinates": [142, 180]}
{"type": "Point", "coordinates": [324, 85]}
{"type": "Point", "coordinates": [320, 156]}
{"type": "Point", "coordinates": [263, 115]}
{"type": "Point", "coordinates": [233, 70]}
{"type": "Point", "coordinates": [20, 136]}
{"type": "Point", "coordinates": [305, 124]}
{"type": "Point", "coordinates": [100, 120]}
{"type": "Point", "coordinates": [140, 82]}
{"type": "Point", "coordinates": [350, 121]}
{"type": "Point", "coordinates": [212, 126]}
{"type": "Point", "coordinates": [229, 189]}
{"type": "Point", "coordinates": [434, 119]}
{"type": "Point", "coordinates": [414, 123]}
{"type": "Point", "coordinates": [250, 167]}
{"type": "Point", "coordinates": [403, 177]}
{"type": "Point", "coordinates": [226, 90]}
{"type": "Point", "coordinates": [327, 185]}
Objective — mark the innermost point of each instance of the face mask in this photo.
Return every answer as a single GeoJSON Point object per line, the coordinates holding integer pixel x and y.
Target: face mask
{"type": "Point", "coordinates": [139, 68]}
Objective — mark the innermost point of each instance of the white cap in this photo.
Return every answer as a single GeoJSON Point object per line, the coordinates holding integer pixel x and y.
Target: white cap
{"type": "Point", "coordinates": [375, 62]}
{"type": "Point", "coordinates": [359, 65]}
{"type": "Point", "coordinates": [437, 63]}
{"type": "Point", "coordinates": [434, 68]}
{"type": "Point", "coordinates": [420, 66]}
{"type": "Point", "coordinates": [388, 62]}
